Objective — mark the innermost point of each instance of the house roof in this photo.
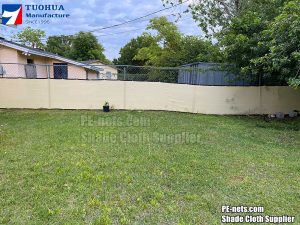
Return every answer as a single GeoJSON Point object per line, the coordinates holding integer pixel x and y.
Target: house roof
{"type": "Point", "coordinates": [39, 52]}
{"type": "Point", "coordinates": [89, 62]}
{"type": "Point", "coordinates": [92, 61]}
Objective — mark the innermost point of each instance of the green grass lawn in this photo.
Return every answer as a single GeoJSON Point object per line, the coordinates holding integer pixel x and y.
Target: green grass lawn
{"type": "Point", "coordinates": [58, 168]}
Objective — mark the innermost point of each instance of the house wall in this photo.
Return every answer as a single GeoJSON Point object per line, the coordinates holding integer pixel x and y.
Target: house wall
{"type": "Point", "coordinates": [83, 94]}
{"type": "Point", "coordinates": [39, 61]}
{"type": "Point", "coordinates": [9, 55]}
{"type": "Point", "coordinates": [106, 68]}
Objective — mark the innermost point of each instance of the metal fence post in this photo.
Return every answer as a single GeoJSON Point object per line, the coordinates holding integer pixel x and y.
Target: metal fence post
{"type": "Point", "coordinates": [49, 86]}
{"type": "Point", "coordinates": [124, 71]}
{"type": "Point", "coordinates": [259, 79]}
{"type": "Point", "coordinates": [48, 71]}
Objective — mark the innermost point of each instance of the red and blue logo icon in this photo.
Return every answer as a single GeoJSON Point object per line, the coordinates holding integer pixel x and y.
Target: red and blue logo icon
{"type": "Point", "coordinates": [11, 14]}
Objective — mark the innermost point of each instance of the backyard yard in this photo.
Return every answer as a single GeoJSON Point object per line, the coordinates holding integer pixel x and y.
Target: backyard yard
{"type": "Point", "coordinates": [131, 167]}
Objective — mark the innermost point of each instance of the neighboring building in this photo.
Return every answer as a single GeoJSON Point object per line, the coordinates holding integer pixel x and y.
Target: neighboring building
{"type": "Point", "coordinates": [210, 74]}
{"type": "Point", "coordinates": [109, 72]}
{"type": "Point", "coordinates": [21, 61]}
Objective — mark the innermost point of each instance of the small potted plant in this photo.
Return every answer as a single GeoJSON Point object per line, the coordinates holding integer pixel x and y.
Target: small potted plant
{"type": "Point", "coordinates": [106, 107]}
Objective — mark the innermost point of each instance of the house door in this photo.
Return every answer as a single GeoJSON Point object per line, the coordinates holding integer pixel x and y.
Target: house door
{"type": "Point", "coordinates": [30, 69]}
{"type": "Point", "coordinates": [60, 70]}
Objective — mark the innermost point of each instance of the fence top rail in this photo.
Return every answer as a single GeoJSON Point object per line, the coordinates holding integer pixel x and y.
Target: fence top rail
{"type": "Point", "coordinates": [38, 64]}
{"type": "Point", "coordinates": [25, 64]}
{"type": "Point", "coordinates": [149, 67]}
{"type": "Point", "coordinates": [94, 66]}
{"type": "Point", "coordinates": [217, 66]}
{"type": "Point", "coordinates": [100, 65]}
{"type": "Point", "coordinates": [91, 67]}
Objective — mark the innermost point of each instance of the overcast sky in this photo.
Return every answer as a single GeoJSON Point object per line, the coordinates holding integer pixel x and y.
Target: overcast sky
{"type": "Point", "coordinates": [88, 15]}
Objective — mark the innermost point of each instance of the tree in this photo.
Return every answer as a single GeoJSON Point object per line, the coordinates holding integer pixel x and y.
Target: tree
{"type": "Point", "coordinates": [265, 43]}
{"type": "Point", "coordinates": [131, 49]}
{"type": "Point", "coordinates": [241, 38]}
{"type": "Point", "coordinates": [281, 39]}
{"type": "Point", "coordinates": [166, 43]}
{"type": "Point", "coordinates": [212, 14]}
{"type": "Point", "coordinates": [196, 49]}
{"type": "Point", "coordinates": [165, 46]}
{"type": "Point", "coordinates": [258, 36]}
{"type": "Point", "coordinates": [215, 15]}
{"type": "Point", "coordinates": [31, 37]}
{"type": "Point", "coordinates": [85, 46]}
{"type": "Point", "coordinates": [172, 48]}
{"type": "Point", "coordinates": [60, 45]}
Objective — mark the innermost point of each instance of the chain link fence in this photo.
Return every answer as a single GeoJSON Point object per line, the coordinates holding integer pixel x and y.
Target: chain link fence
{"type": "Point", "coordinates": [47, 71]}
{"type": "Point", "coordinates": [150, 74]}
{"type": "Point", "coordinates": [214, 76]}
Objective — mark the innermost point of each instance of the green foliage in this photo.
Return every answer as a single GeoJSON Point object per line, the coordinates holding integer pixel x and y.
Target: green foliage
{"type": "Point", "coordinates": [265, 46]}
{"type": "Point", "coordinates": [282, 39]}
{"type": "Point", "coordinates": [260, 36]}
{"type": "Point", "coordinates": [171, 48]}
{"type": "Point", "coordinates": [168, 35]}
{"type": "Point", "coordinates": [196, 49]}
{"type": "Point", "coordinates": [241, 38]}
{"type": "Point", "coordinates": [131, 49]}
{"type": "Point", "coordinates": [85, 46]}
{"type": "Point", "coordinates": [294, 82]}
{"type": "Point", "coordinates": [213, 14]}
{"type": "Point", "coordinates": [165, 46]}
{"type": "Point", "coordinates": [31, 37]}
{"type": "Point", "coordinates": [167, 43]}
{"type": "Point", "coordinates": [60, 45]}
{"type": "Point", "coordinates": [82, 46]}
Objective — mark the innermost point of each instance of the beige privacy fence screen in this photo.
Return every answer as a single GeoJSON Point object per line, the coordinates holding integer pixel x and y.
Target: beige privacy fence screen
{"type": "Point", "coordinates": [84, 94]}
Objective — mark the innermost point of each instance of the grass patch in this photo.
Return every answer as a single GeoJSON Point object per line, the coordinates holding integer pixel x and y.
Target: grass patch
{"type": "Point", "coordinates": [58, 167]}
